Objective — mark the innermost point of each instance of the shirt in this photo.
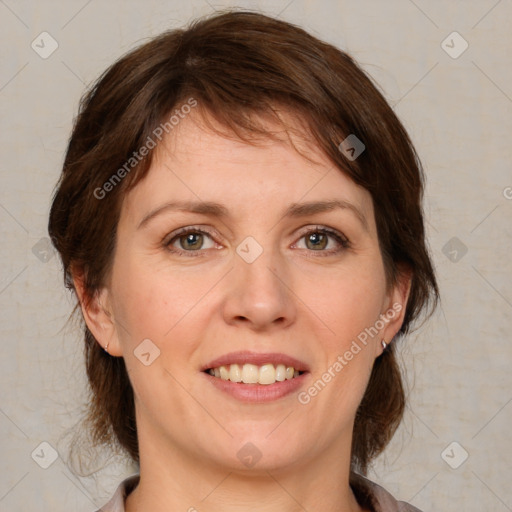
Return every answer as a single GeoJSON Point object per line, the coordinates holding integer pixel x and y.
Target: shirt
{"type": "Point", "coordinates": [367, 493]}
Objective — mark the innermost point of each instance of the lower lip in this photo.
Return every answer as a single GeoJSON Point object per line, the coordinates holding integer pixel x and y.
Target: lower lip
{"type": "Point", "coordinates": [258, 393]}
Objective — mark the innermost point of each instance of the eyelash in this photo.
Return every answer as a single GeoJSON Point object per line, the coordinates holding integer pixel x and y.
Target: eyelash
{"type": "Point", "coordinates": [341, 239]}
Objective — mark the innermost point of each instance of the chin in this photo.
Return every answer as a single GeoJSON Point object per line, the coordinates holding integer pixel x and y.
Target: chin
{"type": "Point", "coordinates": [261, 452]}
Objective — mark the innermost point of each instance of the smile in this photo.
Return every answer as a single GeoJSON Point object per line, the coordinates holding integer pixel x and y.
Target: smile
{"type": "Point", "coordinates": [256, 377]}
{"type": "Point", "coordinates": [265, 374]}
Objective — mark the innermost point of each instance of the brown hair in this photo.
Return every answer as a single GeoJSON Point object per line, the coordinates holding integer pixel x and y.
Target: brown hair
{"type": "Point", "coordinates": [237, 64]}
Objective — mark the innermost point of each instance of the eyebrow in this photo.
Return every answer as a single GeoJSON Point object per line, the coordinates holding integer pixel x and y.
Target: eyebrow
{"type": "Point", "coordinates": [294, 210]}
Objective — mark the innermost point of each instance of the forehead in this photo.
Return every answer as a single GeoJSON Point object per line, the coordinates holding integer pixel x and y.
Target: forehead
{"type": "Point", "coordinates": [197, 163]}
{"type": "Point", "coordinates": [200, 127]}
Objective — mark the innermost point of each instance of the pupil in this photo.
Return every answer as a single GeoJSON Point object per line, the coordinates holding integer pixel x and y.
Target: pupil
{"type": "Point", "coordinates": [190, 238]}
{"type": "Point", "coordinates": [318, 242]}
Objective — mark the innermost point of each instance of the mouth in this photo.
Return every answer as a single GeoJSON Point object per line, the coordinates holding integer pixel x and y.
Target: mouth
{"type": "Point", "coordinates": [256, 377]}
{"type": "Point", "coordinates": [247, 373]}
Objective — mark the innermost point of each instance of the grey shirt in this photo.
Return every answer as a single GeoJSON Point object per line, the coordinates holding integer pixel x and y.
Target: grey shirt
{"type": "Point", "coordinates": [368, 494]}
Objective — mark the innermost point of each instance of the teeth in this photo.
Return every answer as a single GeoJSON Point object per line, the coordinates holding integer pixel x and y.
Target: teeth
{"type": "Point", "coordinates": [235, 374]}
{"type": "Point", "coordinates": [253, 374]}
{"type": "Point", "coordinates": [280, 372]}
{"type": "Point", "coordinates": [250, 374]}
{"type": "Point", "coordinates": [267, 374]}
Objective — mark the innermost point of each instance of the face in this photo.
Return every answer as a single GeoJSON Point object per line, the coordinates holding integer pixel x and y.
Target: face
{"type": "Point", "coordinates": [260, 282]}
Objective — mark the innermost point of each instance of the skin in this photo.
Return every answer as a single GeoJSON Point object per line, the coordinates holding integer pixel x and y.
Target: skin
{"type": "Point", "coordinates": [294, 298]}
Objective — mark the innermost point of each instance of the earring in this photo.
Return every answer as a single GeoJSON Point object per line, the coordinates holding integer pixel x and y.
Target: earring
{"type": "Point", "coordinates": [384, 344]}
{"type": "Point", "coordinates": [106, 348]}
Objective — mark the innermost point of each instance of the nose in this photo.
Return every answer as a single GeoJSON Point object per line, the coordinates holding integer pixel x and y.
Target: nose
{"type": "Point", "coordinates": [260, 294]}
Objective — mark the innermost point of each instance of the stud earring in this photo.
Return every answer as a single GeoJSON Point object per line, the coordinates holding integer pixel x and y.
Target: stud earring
{"type": "Point", "coordinates": [106, 348]}
{"type": "Point", "coordinates": [384, 345]}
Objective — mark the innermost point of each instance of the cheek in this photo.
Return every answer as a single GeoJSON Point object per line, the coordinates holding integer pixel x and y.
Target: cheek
{"type": "Point", "coordinates": [350, 302]}
{"type": "Point", "coordinates": [351, 311]}
{"type": "Point", "coordinates": [150, 301]}
{"type": "Point", "coordinates": [134, 305]}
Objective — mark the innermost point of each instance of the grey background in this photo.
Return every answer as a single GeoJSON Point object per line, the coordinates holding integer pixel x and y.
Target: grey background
{"type": "Point", "coordinates": [458, 113]}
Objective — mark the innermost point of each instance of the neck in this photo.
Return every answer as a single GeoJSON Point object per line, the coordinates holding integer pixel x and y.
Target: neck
{"type": "Point", "coordinates": [171, 480]}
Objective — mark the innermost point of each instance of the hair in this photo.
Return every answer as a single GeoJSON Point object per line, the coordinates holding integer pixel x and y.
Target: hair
{"type": "Point", "coordinates": [238, 66]}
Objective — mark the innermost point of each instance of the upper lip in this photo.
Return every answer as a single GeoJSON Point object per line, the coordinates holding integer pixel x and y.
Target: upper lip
{"type": "Point", "coordinates": [258, 359]}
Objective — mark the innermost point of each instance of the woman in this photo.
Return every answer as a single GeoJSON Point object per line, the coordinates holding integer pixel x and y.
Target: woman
{"type": "Point", "coordinates": [239, 215]}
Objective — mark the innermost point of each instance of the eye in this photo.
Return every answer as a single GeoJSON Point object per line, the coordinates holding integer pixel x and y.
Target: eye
{"type": "Point", "coordinates": [188, 240]}
{"type": "Point", "coordinates": [317, 240]}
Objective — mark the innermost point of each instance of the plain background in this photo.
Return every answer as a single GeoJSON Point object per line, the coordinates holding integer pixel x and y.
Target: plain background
{"type": "Point", "coordinates": [457, 109]}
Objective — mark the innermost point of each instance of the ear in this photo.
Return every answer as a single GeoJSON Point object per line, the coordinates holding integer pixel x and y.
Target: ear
{"type": "Point", "coordinates": [393, 312]}
{"type": "Point", "coordinates": [98, 316]}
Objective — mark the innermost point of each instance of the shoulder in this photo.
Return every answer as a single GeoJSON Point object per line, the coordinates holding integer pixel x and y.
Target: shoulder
{"type": "Point", "coordinates": [376, 497]}
{"type": "Point", "coordinates": [116, 503]}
